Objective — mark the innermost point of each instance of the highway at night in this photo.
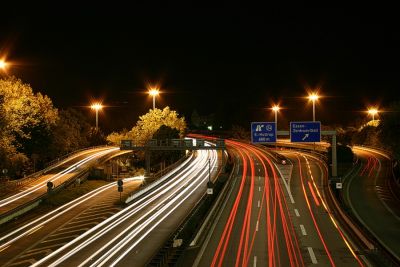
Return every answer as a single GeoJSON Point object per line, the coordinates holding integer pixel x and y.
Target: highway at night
{"type": "Point", "coordinates": [370, 193]}
{"type": "Point", "coordinates": [57, 174]}
{"type": "Point", "coordinates": [137, 232]}
{"type": "Point", "coordinates": [272, 220]}
{"type": "Point", "coordinates": [227, 136]}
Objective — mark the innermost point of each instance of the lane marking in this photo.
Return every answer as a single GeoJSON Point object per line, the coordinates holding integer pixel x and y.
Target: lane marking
{"type": "Point", "coordinates": [286, 185]}
{"type": "Point", "coordinates": [257, 227]}
{"type": "Point", "coordinates": [312, 255]}
{"type": "Point", "coordinates": [258, 203]}
{"type": "Point", "coordinates": [255, 261]}
{"type": "Point", "coordinates": [303, 230]}
{"type": "Point", "coordinates": [296, 212]}
{"type": "Point", "coordinates": [259, 189]}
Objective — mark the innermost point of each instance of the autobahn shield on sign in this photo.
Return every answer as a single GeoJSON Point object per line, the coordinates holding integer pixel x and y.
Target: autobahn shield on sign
{"type": "Point", "coordinates": [305, 131]}
{"type": "Point", "coordinates": [263, 132]}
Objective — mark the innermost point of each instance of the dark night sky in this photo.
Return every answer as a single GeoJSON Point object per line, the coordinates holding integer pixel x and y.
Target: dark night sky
{"type": "Point", "coordinates": [228, 60]}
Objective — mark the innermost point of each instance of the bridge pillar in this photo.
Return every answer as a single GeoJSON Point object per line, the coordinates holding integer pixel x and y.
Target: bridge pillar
{"type": "Point", "coordinates": [147, 159]}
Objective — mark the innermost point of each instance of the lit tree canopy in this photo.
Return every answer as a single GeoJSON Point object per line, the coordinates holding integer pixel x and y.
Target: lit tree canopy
{"type": "Point", "coordinates": [149, 123]}
{"type": "Point", "coordinates": [24, 110]}
{"type": "Point", "coordinates": [25, 122]}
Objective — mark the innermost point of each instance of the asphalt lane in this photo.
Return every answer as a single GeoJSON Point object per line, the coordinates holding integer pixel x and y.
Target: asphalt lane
{"type": "Point", "coordinates": [373, 198]}
{"type": "Point", "coordinates": [314, 223]}
{"type": "Point", "coordinates": [49, 232]}
{"type": "Point", "coordinates": [133, 235]}
{"type": "Point", "coordinates": [61, 172]}
{"type": "Point", "coordinates": [253, 228]}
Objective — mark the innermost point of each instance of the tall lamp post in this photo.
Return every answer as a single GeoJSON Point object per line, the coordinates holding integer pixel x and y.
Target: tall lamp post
{"type": "Point", "coordinates": [276, 108]}
{"type": "Point", "coordinates": [96, 107]}
{"type": "Point", "coordinates": [154, 92]}
{"type": "Point", "coordinates": [373, 112]}
{"type": "Point", "coordinates": [313, 97]}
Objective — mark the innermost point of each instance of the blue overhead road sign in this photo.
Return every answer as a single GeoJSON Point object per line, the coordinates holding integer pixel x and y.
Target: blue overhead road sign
{"type": "Point", "coordinates": [305, 131]}
{"type": "Point", "coordinates": [263, 132]}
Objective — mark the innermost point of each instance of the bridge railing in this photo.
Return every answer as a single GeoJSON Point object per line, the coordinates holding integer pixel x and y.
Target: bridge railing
{"type": "Point", "coordinates": [13, 184]}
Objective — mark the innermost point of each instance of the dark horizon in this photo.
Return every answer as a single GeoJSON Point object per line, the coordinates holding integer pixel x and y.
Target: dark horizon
{"type": "Point", "coordinates": [231, 62]}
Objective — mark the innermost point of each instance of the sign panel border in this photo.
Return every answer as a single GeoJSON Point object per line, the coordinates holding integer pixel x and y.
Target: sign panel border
{"type": "Point", "coordinates": [266, 122]}
{"type": "Point", "coordinates": [290, 130]}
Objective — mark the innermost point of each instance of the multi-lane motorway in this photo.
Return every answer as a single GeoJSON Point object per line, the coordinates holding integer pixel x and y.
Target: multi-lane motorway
{"type": "Point", "coordinates": [134, 235]}
{"type": "Point", "coordinates": [275, 215]}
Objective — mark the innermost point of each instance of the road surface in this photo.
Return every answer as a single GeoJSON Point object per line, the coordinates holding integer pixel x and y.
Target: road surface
{"type": "Point", "coordinates": [274, 215]}
{"type": "Point", "coordinates": [374, 199]}
{"type": "Point", "coordinates": [60, 173]}
{"type": "Point", "coordinates": [133, 235]}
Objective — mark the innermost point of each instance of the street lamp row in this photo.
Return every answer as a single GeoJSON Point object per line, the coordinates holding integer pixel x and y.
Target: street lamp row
{"type": "Point", "coordinates": [312, 97]}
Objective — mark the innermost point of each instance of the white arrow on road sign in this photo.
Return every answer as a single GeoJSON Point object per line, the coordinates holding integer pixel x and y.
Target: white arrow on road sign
{"type": "Point", "coordinates": [259, 128]}
{"type": "Point", "coordinates": [305, 136]}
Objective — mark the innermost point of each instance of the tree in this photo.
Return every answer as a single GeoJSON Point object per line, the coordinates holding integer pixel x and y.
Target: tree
{"type": "Point", "coordinates": [163, 134]}
{"type": "Point", "coordinates": [71, 132]}
{"type": "Point", "coordinates": [115, 138]}
{"type": "Point", "coordinates": [23, 110]}
{"type": "Point", "coordinates": [149, 123]}
{"type": "Point", "coordinates": [390, 129]}
{"type": "Point", "coordinates": [25, 122]}
{"type": "Point", "coordinates": [367, 135]}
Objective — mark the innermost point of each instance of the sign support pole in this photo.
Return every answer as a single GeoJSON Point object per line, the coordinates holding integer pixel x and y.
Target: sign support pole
{"type": "Point", "coordinates": [334, 156]}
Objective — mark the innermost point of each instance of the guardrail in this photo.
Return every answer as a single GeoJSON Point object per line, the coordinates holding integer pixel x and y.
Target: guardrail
{"type": "Point", "coordinates": [13, 184]}
{"type": "Point", "coordinates": [9, 215]}
{"type": "Point", "coordinates": [146, 188]}
{"type": "Point", "coordinates": [24, 208]}
{"type": "Point", "coordinates": [182, 232]}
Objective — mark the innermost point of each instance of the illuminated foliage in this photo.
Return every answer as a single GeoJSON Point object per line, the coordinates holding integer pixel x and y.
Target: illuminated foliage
{"type": "Point", "coordinates": [25, 123]}
{"type": "Point", "coordinates": [149, 123]}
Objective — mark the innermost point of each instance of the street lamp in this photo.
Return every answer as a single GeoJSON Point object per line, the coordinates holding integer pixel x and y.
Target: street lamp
{"type": "Point", "coordinates": [276, 108]}
{"type": "Point", "coordinates": [96, 107]}
{"type": "Point", "coordinates": [313, 97]}
{"type": "Point", "coordinates": [373, 112]}
{"type": "Point", "coordinates": [154, 92]}
{"type": "Point", "coordinates": [3, 64]}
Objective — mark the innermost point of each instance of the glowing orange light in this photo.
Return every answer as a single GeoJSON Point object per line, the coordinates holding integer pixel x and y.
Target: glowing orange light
{"type": "Point", "coordinates": [154, 92]}
{"type": "Point", "coordinates": [313, 97]}
{"type": "Point", "coordinates": [373, 111]}
{"type": "Point", "coordinates": [3, 64]}
{"type": "Point", "coordinates": [96, 106]}
{"type": "Point", "coordinates": [276, 108]}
